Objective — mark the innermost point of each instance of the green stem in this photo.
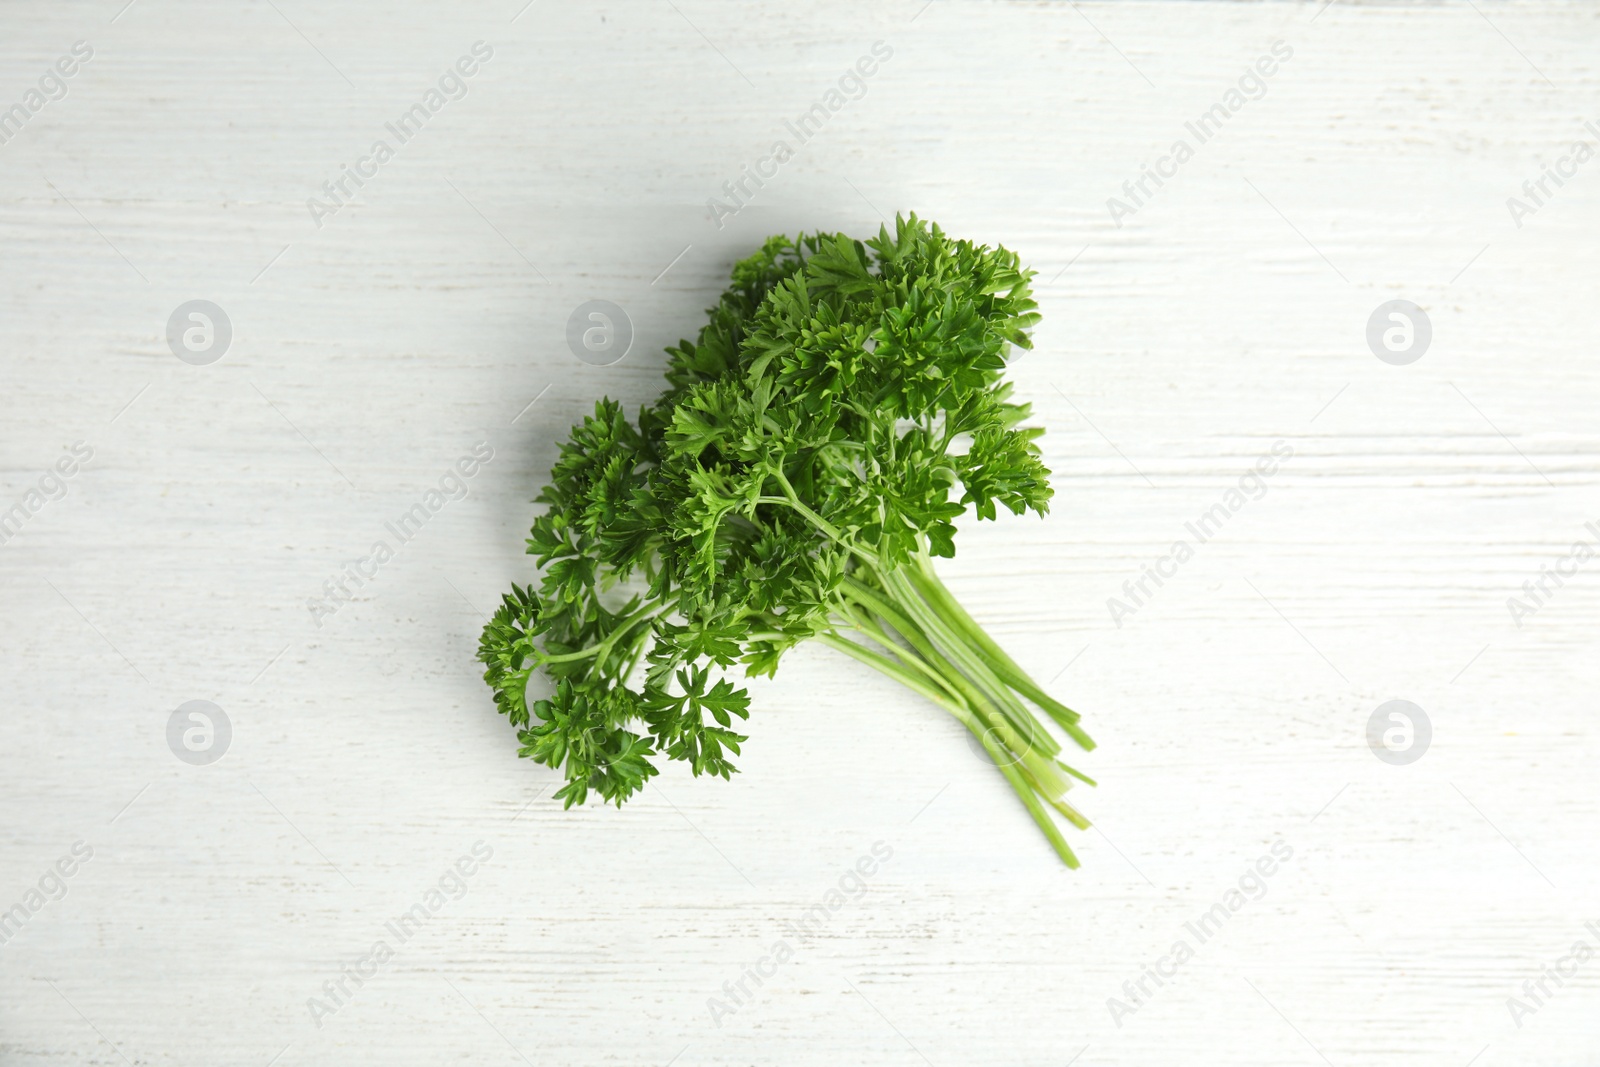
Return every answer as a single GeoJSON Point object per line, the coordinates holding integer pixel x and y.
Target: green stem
{"type": "Point", "coordinates": [900, 674]}
{"type": "Point", "coordinates": [972, 677]}
{"type": "Point", "coordinates": [793, 500]}
{"type": "Point", "coordinates": [1019, 784]}
{"type": "Point", "coordinates": [868, 597]}
{"type": "Point", "coordinates": [1041, 770]}
{"type": "Point", "coordinates": [960, 653]}
{"type": "Point", "coordinates": [974, 696]}
{"type": "Point", "coordinates": [927, 582]}
{"type": "Point", "coordinates": [875, 633]}
{"type": "Point", "coordinates": [604, 647]}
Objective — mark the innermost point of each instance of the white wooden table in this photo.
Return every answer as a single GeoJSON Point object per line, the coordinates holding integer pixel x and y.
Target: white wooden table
{"type": "Point", "coordinates": [374, 345]}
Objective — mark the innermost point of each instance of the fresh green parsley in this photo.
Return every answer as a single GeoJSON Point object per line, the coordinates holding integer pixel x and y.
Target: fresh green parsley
{"type": "Point", "coordinates": [841, 408]}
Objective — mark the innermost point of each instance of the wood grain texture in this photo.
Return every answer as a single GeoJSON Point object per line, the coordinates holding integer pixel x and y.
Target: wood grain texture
{"type": "Point", "coordinates": [1226, 315]}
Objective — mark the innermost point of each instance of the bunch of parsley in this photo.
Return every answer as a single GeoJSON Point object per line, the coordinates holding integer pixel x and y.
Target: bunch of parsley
{"type": "Point", "coordinates": [843, 405]}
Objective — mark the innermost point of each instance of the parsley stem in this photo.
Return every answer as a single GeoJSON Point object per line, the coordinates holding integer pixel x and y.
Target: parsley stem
{"type": "Point", "coordinates": [818, 521]}
{"type": "Point", "coordinates": [1008, 674]}
{"type": "Point", "coordinates": [906, 656]}
{"type": "Point", "coordinates": [868, 597]}
{"type": "Point", "coordinates": [894, 670]}
{"type": "Point", "coordinates": [960, 652]}
{"type": "Point", "coordinates": [919, 607]}
{"type": "Point", "coordinates": [604, 647]}
{"type": "Point", "coordinates": [1035, 752]}
{"type": "Point", "coordinates": [1020, 783]}
{"type": "Point", "coordinates": [928, 583]}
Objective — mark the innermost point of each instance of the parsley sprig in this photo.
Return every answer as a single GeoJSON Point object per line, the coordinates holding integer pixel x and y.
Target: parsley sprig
{"type": "Point", "coordinates": [841, 408]}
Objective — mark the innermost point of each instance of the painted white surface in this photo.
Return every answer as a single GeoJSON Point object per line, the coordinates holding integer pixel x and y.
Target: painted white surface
{"type": "Point", "coordinates": [1226, 315]}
